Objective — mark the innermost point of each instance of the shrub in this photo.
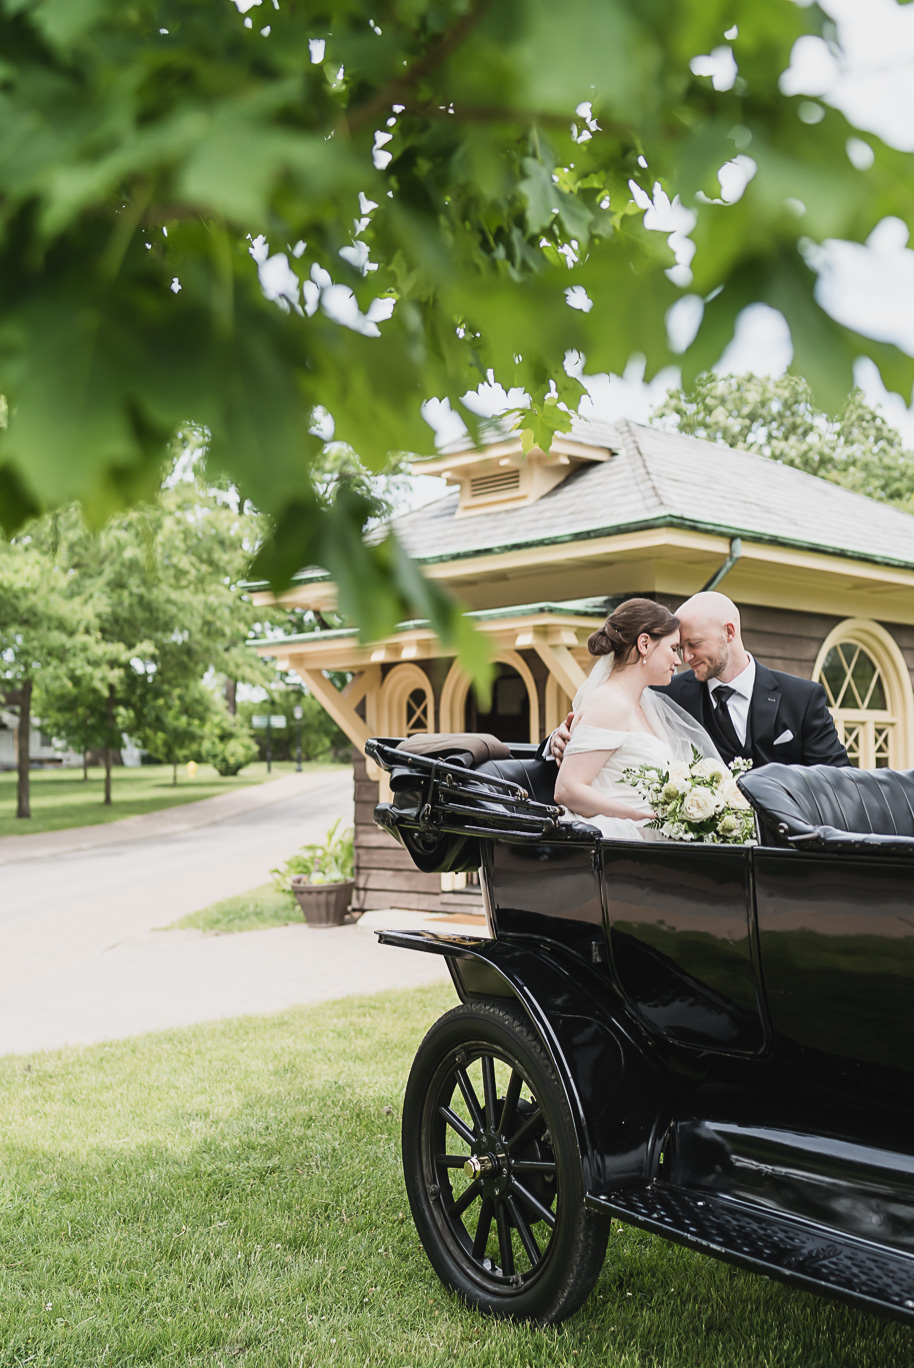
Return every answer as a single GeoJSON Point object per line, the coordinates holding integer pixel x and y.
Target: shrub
{"type": "Point", "coordinates": [329, 861]}
{"type": "Point", "coordinates": [229, 745]}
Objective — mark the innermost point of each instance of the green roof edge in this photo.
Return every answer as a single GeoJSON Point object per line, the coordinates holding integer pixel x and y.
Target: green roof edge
{"type": "Point", "coordinates": [619, 529]}
{"type": "Point", "coordinates": [478, 614]}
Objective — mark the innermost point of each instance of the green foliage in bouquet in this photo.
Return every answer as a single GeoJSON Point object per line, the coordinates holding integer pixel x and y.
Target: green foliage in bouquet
{"type": "Point", "coordinates": [697, 800]}
{"type": "Point", "coordinates": [329, 861]}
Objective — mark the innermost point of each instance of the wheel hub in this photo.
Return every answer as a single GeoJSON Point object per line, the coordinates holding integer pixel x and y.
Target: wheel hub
{"type": "Point", "coordinates": [491, 1164]}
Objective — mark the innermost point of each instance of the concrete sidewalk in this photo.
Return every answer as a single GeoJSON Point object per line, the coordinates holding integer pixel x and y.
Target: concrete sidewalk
{"type": "Point", "coordinates": [89, 964]}
{"type": "Point", "coordinates": [166, 822]}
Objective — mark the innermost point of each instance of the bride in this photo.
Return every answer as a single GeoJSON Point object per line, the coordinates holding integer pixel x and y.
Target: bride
{"type": "Point", "coordinates": [620, 722]}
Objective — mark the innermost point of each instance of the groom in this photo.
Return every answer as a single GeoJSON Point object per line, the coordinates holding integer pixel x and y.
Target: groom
{"type": "Point", "coordinates": [746, 708]}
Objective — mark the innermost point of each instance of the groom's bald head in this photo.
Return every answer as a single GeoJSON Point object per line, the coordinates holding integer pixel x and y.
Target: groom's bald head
{"type": "Point", "coordinates": [712, 643]}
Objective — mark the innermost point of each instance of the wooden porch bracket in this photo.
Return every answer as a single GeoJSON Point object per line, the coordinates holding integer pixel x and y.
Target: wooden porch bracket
{"type": "Point", "coordinates": [561, 664]}
{"type": "Point", "coordinates": [340, 708]}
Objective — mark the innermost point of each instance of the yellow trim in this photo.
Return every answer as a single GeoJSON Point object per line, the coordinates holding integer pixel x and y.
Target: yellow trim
{"type": "Point", "coordinates": [666, 560]}
{"type": "Point", "coordinates": [561, 665]}
{"type": "Point", "coordinates": [558, 705]}
{"type": "Point", "coordinates": [822, 560]}
{"type": "Point", "coordinates": [321, 596]}
{"type": "Point", "coordinates": [543, 554]}
{"type": "Point", "coordinates": [348, 653]}
{"type": "Point", "coordinates": [457, 685]}
{"type": "Point", "coordinates": [333, 702]}
{"type": "Point", "coordinates": [510, 448]}
{"type": "Point", "coordinates": [884, 649]}
{"type": "Point", "coordinates": [360, 684]}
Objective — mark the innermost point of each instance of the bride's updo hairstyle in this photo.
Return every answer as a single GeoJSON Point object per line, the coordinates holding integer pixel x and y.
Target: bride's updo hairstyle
{"type": "Point", "coordinates": [620, 632]}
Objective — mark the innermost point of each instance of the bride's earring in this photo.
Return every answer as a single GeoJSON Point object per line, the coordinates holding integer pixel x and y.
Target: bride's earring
{"type": "Point", "coordinates": [644, 660]}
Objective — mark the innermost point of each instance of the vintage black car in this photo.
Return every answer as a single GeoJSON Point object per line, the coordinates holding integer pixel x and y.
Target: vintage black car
{"type": "Point", "coordinates": [712, 1042]}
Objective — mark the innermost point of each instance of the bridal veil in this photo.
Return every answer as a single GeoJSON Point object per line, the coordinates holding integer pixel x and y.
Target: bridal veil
{"type": "Point", "coordinates": [671, 723]}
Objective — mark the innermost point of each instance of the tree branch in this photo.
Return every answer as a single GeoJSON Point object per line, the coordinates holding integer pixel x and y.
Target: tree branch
{"type": "Point", "coordinates": [392, 93]}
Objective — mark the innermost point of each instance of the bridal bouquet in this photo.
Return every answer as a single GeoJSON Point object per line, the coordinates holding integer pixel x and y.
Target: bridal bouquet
{"type": "Point", "coordinates": [697, 800]}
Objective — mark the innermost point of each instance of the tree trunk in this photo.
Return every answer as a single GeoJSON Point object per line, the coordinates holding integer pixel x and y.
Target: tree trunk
{"type": "Point", "coordinates": [174, 774]}
{"type": "Point", "coordinates": [231, 695]}
{"type": "Point", "coordinates": [85, 766]}
{"type": "Point", "coordinates": [108, 734]}
{"type": "Point", "coordinates": [23, 808]}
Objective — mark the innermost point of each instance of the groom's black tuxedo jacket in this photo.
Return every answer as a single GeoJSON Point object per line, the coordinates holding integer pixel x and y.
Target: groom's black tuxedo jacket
{"type": "Point", "coordinates": [789, 721]}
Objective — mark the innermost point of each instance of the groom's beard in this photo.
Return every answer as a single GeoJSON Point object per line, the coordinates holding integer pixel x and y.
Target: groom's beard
{"type": "Point", "coordinates": [712, 666]}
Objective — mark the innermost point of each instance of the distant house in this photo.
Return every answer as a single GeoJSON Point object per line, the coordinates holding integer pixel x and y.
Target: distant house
{"type": "Point", "coordinates": [542, 547]}
{"type": "Point", "coordinates": [42, 747]}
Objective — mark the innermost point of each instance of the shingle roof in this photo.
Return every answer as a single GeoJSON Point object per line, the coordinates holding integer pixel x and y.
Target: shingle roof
{"type": "Point", "coordinates": [658, 477]}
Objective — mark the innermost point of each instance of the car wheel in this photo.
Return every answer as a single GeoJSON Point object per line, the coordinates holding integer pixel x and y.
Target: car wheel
{"type": "Point", "coordinates": [492, 1168]}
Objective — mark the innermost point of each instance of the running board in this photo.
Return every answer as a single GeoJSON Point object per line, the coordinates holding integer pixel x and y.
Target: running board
{"type": "Point", "coordinates": [810, 1256]}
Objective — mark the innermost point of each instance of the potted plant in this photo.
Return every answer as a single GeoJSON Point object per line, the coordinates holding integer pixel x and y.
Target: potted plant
{"type": "Point", "coordinates": [321, 877]}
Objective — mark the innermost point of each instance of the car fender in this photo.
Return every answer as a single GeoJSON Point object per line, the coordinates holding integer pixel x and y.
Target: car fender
{"type": "Point", "coordinates": [620, 1090]}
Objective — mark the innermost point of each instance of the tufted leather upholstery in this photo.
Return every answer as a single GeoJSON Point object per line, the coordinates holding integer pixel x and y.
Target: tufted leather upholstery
{"type": "Point", "coordinates": [824, 806]}
{"type": "Point", "coordinates": [535, 775]}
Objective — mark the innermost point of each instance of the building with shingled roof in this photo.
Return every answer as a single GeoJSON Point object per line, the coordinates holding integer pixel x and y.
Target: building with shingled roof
{"type": "Point", "coordinates": [542, 546]}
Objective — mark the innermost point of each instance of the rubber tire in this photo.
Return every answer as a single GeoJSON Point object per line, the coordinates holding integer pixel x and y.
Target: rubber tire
{"type": "Point", "coordinates": [571, 1264]}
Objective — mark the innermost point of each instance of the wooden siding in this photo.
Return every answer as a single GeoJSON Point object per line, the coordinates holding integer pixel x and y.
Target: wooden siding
{"type": "Point", "coordinates": [385, 876]}
{"type": "Point", "coordinates": [785, 640]}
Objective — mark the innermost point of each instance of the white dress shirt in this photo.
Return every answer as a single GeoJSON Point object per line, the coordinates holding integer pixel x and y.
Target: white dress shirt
{"type": "Point", "coordinates": [738, 703]}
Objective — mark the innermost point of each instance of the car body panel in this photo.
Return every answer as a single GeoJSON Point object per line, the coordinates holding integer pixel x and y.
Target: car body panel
{"type": "Point", "coordinates": [733, 1025]}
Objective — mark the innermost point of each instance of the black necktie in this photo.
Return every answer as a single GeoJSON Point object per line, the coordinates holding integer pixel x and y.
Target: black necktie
{"type": "Point", "coordinates": [721, 695]}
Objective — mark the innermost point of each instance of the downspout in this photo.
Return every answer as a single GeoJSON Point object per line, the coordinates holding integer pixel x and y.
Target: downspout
{"type": "Point", "coordinates": [736, 550]}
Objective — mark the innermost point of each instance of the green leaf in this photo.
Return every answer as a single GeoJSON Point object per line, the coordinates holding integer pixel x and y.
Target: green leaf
{"type": "Point", "coordinates": [142, 144]}
{"type": "Point", "coordinates": [540, 193]}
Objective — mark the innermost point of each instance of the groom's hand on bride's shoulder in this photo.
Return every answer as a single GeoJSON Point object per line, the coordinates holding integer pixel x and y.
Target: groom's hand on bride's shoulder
{"type": "Point", "coordinates": [560, 738]}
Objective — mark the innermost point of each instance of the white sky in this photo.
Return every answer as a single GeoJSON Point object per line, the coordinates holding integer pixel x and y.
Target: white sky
{"type": "Point", "coordinates": [868, 287]}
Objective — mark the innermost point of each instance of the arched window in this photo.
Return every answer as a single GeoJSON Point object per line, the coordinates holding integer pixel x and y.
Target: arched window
{"type": "Point", "coordinates": [869, 694]}
{"type": "Point", "coordinates": [418, 702]}
{"type": "Point", "coordinates": [507, 714]}
{"type": "Point", "coordinates": [406, 703]}
{"type": "Point", "coordinates": [515, 713]}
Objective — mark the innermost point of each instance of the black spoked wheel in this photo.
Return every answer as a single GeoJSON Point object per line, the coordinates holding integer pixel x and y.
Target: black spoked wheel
{"type": "Point", "coordinates": [492, 1168]}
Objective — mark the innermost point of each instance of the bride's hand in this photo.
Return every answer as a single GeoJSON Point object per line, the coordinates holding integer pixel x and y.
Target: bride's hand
{"type": "Point", "coordinates": [560, 738]}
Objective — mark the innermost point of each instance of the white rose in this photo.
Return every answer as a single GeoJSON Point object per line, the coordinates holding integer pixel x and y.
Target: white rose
{"type": "Point", "coordinates": [679, 775]}
{"type": "Point", "coordinates": [732, 796]}
{"type": "Point", "coordinates": [709, 768]}
{"type": "Point", "coordinates": [699, 805]}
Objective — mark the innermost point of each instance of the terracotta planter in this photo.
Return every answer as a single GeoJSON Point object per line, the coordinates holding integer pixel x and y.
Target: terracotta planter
{"type": "Point", "coordinates": [323, 904]}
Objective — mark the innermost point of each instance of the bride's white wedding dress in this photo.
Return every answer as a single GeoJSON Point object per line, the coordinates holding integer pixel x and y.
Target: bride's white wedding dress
{"type": "Point", "coordinates": [675, 737]}
{"type": "Point", "coordinates": [629, 750]}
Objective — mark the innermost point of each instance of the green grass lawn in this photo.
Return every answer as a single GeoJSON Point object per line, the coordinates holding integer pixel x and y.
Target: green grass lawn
{"type": "Point", "coordinates": [61, 798]}
{"type": "Point", "coordinates": [251, 911]}
{"type": "Point", "coordinates": [232, 1194]}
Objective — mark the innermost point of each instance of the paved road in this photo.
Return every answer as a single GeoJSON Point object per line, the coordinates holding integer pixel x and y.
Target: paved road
{"type": "Point", "coordinates": [81, 959]}
{"type": "Point", "coordinates": [254, 839]}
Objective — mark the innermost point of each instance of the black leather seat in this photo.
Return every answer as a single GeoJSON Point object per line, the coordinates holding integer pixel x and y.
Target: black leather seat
{"type": "Point", "coordinates": [485, 755]}
{"type": "Point", "coordinates": [535, 775]}
{"type": "Point", "coordinates": [825, 807]}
